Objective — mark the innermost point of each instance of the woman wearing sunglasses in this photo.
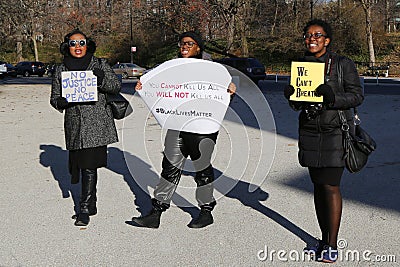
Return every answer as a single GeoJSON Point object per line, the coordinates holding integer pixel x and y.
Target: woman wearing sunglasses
{"type": "Point", "coordinates": [89, 126]}
{"type": "Point", "coordinates": [180, 145]}
{"type": "Point", "coordinates": [320, 134]}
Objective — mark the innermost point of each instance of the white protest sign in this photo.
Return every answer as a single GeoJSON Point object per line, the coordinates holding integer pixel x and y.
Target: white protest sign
{"type": "Point", "coordinates": [79, 86]}
{"type": "Point", "coordinates": [187, 94]}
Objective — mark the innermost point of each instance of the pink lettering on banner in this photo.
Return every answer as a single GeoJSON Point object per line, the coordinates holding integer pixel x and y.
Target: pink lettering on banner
{"type": "Point", "coordinates": [171, 86]}
{"type": "Point", "coordinates": [164, 94]}
{"type": "Point", "coordinates": [181, 94]}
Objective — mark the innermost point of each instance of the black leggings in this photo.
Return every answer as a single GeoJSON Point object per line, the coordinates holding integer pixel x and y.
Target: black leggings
{"type": "Point", "coordinates": [178, 146]}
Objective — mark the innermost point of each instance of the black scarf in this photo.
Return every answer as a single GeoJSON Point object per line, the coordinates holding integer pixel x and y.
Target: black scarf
{"type": "Point", "coordinates": [73, 63]}
{"type": "Point", "coordinates": [308, 57]}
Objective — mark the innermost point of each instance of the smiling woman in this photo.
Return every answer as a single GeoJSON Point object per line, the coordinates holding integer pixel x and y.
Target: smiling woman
{"type": "Point", "coordinates": [179, 145]}
{"type": "Point", "coordinates": [320, 134]}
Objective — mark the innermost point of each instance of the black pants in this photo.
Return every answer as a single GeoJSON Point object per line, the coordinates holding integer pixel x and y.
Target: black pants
{"type": "Point", "coordinates": [178, 146]}
{"type": "Point", "coordinates": [86, 158]}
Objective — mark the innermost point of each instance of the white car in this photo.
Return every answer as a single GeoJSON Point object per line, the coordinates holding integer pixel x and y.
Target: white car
{"type": "Point", "coordinates": [128, 70]}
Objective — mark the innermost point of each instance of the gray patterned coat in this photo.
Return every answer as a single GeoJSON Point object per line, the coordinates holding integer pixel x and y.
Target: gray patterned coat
{"type": "Point", "coordinates": [89, 124]}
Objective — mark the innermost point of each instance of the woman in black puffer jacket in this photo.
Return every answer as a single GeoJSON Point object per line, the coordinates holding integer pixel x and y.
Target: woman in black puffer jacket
{"type": "Point", "coordinates": [89, 126]}
{"type": "Point", "coordinates": [320, 134]}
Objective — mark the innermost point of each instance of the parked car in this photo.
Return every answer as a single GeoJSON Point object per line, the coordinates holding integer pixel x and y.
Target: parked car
{"type": "Point", "coordinates": [247, 65]}
{"type": "Point", "coordinates": [7, 69]}
{"type": "Point", "coordinates": [27, 68]}
{"type": "Point", "coordinates": [128, 70]}
{"type": "Point", "coordinates": [11, 70]}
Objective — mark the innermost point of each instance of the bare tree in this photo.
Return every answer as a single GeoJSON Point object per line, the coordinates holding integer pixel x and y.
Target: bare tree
{"type": "Point", "coordinates": [367, 7]}
{"type": "Point", "coordinates": [11, 17]}
{"type": "Point", "coordinates": [234, 26]}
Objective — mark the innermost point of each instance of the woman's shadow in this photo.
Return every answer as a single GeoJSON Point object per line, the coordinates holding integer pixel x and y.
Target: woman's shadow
{"type": "Point", "coordinates": [55, 158]}
{"type": "Point", "coordinates": [145, 178]}
{"type": "Point", "coordinates": [241, 190]}
{"type": "Point", "coordinates": [140, 177]}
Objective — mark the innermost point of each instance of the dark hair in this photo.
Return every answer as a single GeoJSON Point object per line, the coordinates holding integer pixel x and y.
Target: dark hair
{"type": "Point", "coordinates": [64, 47]}
{"type": "Point", "coordinates": [325, 25]}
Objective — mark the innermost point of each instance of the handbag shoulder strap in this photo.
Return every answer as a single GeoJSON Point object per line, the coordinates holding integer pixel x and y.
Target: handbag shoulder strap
{"type": "Point", "coordinates": [343, 120]}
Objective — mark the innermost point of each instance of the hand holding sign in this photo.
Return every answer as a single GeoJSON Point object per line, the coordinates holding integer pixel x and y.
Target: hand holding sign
{"type": "Point", "coordinates": [100, 75]}
{"type": "Point", "coordinates": [288, 91]}
{"type": "Point", "coordinates": [62, 102]}
{"type": "Point", "coordinates": [327, 92]}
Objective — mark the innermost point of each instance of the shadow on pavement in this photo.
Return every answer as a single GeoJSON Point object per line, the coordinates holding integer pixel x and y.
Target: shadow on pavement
{"type": "Point", "coordinates": [143, 179]}
{"type": "Point", "coordinates": [55, 158]}
{"type": "Point", "coordinates": [117, 164]}
{"type": "Point", "coordinates": [240, 190]}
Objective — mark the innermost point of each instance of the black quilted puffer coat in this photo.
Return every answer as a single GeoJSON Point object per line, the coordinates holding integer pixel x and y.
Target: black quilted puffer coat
{"type": "Point", "coordinates": [91, 124]}
{"type": "Point", "coordinates": [320, 138]}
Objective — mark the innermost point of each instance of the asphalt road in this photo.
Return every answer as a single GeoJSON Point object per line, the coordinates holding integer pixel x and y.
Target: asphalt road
{"type": "Point", "coordinates": [264, 215]}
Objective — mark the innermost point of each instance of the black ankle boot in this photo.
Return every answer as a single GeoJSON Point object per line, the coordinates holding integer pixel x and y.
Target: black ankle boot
{"type": "Point", "coordinates": [82, 219]}
{"type": "Point", "coordinates": [152, 220]}
{"type": "Point", "coordinates": [205, 218]}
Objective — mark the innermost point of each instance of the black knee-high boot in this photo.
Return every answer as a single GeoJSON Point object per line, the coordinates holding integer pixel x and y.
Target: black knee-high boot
{"type": "Point", "coordinates": [88, 197]}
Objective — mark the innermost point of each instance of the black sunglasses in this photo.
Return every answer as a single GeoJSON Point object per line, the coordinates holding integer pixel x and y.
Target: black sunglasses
{"type": "Point", "coordinates": [73, 43]}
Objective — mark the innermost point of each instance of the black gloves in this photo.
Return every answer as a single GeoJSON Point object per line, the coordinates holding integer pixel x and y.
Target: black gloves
{"type": "Point", "coordinates": [327, 92]}
{"type": "Point", "coordinates": [288, 91]}
{"type": "Point", "coordinates": [62, 102]}
{"type": "Point", "coordinates": [100, 76]}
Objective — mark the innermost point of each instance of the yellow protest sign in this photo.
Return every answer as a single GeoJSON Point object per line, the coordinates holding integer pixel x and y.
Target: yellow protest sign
{"type": "Point", "coordinates": [305, 77]}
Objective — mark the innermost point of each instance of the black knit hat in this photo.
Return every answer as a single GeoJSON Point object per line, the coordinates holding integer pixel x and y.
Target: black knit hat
{"type": "Point", "coordinates": [196, 37]}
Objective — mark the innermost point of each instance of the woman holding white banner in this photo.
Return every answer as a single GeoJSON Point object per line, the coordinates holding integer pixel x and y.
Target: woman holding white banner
{"type": "Point", "coordinates": [88, 125]}
{"type": "Point", "coordinates": [178, 146]}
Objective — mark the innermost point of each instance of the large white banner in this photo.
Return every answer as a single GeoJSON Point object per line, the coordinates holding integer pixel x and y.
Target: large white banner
{"type": "Point", "coordinates": [187, 94]}
{"type": "Point", "coordinates": [79, 86]}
